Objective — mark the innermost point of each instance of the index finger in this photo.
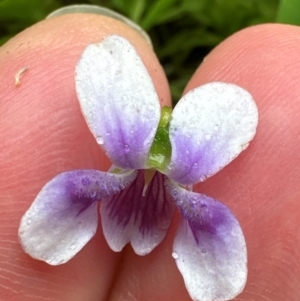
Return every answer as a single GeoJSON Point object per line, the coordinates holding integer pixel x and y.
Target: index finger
{"type": "Point", "coordinates": [43, 133]}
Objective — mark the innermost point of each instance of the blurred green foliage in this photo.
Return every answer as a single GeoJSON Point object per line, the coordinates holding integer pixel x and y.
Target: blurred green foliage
{"type": "Point", "coordinates": [288, 12]}
{"type": "Point", "coordinates": [182, 31]}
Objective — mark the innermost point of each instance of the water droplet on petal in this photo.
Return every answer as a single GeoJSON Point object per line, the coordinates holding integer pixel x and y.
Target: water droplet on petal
{"type": "Point", "coordinates": [194, 200]}
{"type": "Point", "coordinates": [126, 148]}
{"type": "Point", "coordinates": [29, 222]}
{"type": "Point", "coordinates": [195, 165]}
{"type": "Point", "coordinates": [100, 140]}
{"type": "Point", "coordinates": [73, 246]}
{"type": "Point", "coordinates": [245, 146]}
{"type": "Point", "coordinates": [203, 251]}
{"type": "Point", "coordinates": [202, 178]}
{"type": "Point", "coordinates": [175, 255]}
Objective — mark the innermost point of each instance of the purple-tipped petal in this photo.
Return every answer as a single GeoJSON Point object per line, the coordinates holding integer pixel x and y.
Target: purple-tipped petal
{"type": "Point", "coordinates": [209, 248]}
{"type": "Point", "coordinates": [118, 100]}
{"type": "Point", "coordinates": [63, 217]}
{"type": "Point", "coordinates": [132, 217]}
{"type": "Point", "coordinates": [210, 126]}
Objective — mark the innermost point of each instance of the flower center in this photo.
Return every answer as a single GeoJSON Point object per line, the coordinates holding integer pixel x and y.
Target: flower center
{"type": "Point", "coordinates": [160, 152]}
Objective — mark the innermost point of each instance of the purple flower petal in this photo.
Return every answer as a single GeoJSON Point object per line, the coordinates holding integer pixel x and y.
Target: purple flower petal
{"type": "Point", "coordinates": [63, 217]}
{"type": "Point", "coordinates": [210, 126]}
{"type": "Point", "coordinates": [209, 249]}
{"type": "Point", "coordinates": [118, 101]}
{"type": "Point", "coordinates": [132, 217]}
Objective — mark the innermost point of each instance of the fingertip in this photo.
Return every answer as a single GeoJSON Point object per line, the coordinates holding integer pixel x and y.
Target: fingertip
{"type": "Point", "coordinates": [43, 133]}
{"type": "Point", "coordinates": [260, 186]}
{"type": "Point", "coordinates": [263, 60]}
{"type": "Point", "coordinates": [61, 40]}
{"type": "Point", "coordinates": [42, 111]}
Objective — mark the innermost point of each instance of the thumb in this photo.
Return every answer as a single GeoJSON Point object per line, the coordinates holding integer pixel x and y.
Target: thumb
{"type": "Point", "coordinates": [43, 133]}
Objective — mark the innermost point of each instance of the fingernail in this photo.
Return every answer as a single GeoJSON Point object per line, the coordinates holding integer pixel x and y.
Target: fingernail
{"type": "Point", "coordinates": [99, 10]}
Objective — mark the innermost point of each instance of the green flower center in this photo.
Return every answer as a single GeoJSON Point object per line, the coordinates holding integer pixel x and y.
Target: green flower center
{"type": "Point", "coordinates": [160, 151]}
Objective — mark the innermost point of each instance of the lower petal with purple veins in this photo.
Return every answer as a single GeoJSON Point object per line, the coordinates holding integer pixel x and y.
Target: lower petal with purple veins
{"type": "Point", "coordinates": [63, 217]}
{"type": "Point", "coordinates": [209, 248]}
{"type": "Point", "coordinates": [136, 215]}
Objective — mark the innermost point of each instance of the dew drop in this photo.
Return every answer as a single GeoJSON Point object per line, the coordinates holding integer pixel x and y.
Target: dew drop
{"type": "Point", "coordinates": [126, 148]}
{"type": "Point", "coordinates": [29, 222]}
{"type": "Point", "coordinates": [203, 251]}
{"type": "Point", "coordinates": [245, 146]}
{"type": "Point", "coordinates": [194, 200]}
{"type": "Point", "coordinates": [100, 140]}
{"type": "Point", "coordinates": [73, 246]}
{"type": "Point", "coordinates": [175, 255]}
{"type": "Point", "coordinates": [195, 165]}
{"type": "Point", "coordinates": [202, 178]}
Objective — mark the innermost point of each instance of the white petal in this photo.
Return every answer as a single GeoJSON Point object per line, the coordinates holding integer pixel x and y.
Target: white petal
{"type": "Point", "coordinates": [210, 126]}
{"type": "Point", "coordinates": [209, 248]}
{"type": "Point", "coordinates": [63, 217]}
{"type": "Point", "coordinates": [118, 101]}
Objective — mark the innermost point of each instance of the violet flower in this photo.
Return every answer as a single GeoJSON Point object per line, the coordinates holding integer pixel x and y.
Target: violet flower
{"type": "Point", "coordinates": [157, 157]}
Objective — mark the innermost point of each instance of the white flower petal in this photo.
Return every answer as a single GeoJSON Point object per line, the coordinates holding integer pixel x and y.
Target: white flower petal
{"type": "Point", "coordinates": [118, 101]}
{"type": "Point", "coordinates": [209, 248]}
{"type": "Point", "coordinates": [210, 126]}
{"type": "Point", "coordinates": [63, 217]}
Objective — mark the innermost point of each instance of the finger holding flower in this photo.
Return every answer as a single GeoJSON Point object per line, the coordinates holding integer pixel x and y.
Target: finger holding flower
{"type": "Point", "coordinates": [157, 157]}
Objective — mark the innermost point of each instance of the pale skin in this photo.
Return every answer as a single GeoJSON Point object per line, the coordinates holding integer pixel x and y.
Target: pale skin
{"type": "Point", "coordinates": [43, 134]}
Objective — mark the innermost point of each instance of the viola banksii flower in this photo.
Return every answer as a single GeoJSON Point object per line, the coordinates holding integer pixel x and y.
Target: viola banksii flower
{"type": "Point", "coordinates": [157, 155]}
